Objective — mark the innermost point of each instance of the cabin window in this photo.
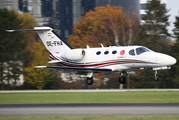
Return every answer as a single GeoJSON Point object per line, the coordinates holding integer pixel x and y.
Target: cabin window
{"type": "Point", "coordinates": [131, 52]}
{"type": "Point", "coordinates": [114, 52]}
{"type": "Point", "coordinates": [98, 53]}
{"type": "Point", "coordinates": [106, 52]}
{"type": "Point", "coordinates": [141, 50]}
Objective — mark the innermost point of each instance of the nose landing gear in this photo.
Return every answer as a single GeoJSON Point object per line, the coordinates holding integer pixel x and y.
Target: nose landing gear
{"type": "Point", "coordinates": [156, 76]}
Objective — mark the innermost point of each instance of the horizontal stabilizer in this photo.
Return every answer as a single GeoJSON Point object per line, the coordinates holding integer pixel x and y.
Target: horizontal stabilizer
{"type": "Point", "coordinates": [29, 30]}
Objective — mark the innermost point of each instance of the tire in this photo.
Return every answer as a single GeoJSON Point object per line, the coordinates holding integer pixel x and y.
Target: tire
{"type": "Point", "coordinates": [122, 79]}
{"type": "Point", "coordinates": [89, 81]}
{"type": "Point", "coordinates": [156, 78]}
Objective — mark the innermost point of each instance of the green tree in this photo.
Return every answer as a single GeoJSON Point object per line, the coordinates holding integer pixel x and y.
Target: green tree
{"type": "Point", "coordinates": [175, 52]}
{"type": "Point", "coordinates": [153, 34]}
{"type": "Point", "coordinates": [39, 77]}
{"type": "Point", "coordinates": [11, 46]}
{"type": "Point", "coordinates": [153, 26]}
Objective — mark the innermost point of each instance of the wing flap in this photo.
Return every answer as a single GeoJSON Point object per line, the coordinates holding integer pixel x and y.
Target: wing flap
{"type": "Point", "coordinates": [55, 61]}
{"type": "Point", "coordinates": [76, 68]}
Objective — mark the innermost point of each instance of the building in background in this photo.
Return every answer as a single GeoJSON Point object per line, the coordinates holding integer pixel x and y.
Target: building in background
{"type": "Point", "coordinates": [9, 4]}
{"type": "Point", "coordinates": [70, 11]}
{"type": "Point", "coordinates": [63, 14]}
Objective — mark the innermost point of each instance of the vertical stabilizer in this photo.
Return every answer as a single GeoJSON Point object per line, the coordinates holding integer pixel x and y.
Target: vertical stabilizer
{"type": "Point", "coordinates": [51, 40]}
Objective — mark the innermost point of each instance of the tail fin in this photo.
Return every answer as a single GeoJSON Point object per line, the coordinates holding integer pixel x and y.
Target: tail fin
{"type": "Point", "coordinates": [51, 40]}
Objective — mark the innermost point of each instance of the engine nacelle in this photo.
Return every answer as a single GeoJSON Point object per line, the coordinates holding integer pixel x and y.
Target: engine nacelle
{"type": "Point", "coordinates": [73, 55]}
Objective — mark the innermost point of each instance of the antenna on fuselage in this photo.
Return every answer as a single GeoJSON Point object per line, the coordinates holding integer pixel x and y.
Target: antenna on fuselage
{"type": "Point", "coordinates": [87, 47]}
{"type": "Point", "coordinates": [102, 45]}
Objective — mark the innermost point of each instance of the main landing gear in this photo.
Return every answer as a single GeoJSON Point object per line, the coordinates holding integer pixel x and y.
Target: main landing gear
{"type": "Point", "coordinates": [122, 78]}
{"type": "Point", "coordinates": [89, 80]}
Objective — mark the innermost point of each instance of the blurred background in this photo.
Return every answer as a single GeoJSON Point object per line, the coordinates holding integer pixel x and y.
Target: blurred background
{"type": "Point", "coordinates": [153, 23]}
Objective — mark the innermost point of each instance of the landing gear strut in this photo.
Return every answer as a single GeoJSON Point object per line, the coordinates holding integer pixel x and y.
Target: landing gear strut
{"type": "Point", "coordinates": [122, 78]}
{"type": "Point", "coordinates": [156, 77]}
{"type": "Point", "coordinates": [89, 80]}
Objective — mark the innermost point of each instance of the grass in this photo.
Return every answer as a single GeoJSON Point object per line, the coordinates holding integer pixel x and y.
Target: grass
{"type": "Point", "coordinates": [94, 97]}
{"type": "Point", "coordinates": [90, 118]}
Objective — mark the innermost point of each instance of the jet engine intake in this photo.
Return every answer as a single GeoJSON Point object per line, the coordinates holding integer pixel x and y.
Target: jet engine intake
{"type": "Point", "coordinates": [73, 55]}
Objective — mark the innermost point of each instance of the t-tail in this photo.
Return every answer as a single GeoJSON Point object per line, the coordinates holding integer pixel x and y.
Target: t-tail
{"type": "Point", "coordinates": [52, 41]}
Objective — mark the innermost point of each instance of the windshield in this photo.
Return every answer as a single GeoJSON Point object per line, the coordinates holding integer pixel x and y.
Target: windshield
{"type": "Point", "coordinates": [141, 50]}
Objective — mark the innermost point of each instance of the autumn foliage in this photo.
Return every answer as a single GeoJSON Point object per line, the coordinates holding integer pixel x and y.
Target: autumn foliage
{"type": "Point", "coordinates": [108, 25]}
{"type": "Point", "coordinates": [35, 54]}
{"type": "Point", "coordinates": [39, 77]}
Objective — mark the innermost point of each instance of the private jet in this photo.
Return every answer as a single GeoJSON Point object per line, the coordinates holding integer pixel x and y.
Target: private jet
{"type": "Point", "coordinates": [89, 61]}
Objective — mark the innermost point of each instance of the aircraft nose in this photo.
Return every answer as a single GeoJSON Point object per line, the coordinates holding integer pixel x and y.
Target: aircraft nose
{"type": "Point", "coordinates": [170, 60]}
{"type": "Point", "coordinates": [166, 59]}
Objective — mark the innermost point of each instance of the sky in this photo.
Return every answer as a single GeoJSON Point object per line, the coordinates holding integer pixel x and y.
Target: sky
{"type": "Point", "coordinates": [173, 6]}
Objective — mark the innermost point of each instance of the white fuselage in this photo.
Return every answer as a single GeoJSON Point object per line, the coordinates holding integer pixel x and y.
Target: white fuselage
{"type": "Point", "coordinates": [120, 58]}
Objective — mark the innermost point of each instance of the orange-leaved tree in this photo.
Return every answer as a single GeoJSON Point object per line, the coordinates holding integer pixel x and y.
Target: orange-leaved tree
{"type": "Point", "coordinates": [29, 22]}
{"type": "Point", "coordinates": [39, 77]}
{"type": "Point", "coordinates": [108, 25]}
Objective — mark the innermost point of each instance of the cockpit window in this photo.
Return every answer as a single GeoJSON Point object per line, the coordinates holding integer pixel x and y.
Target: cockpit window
{"type": "Point", "coordinates": [141, 50]}
{"type": "Point", "coordinates": [131, 52]}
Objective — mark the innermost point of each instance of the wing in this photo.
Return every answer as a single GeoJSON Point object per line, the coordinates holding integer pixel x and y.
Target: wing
{"type": "Point", "coordinates": [77, 69]}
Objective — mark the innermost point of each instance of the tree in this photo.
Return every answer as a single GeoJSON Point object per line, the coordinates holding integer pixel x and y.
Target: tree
{"type": "Point", "coordinates": [152, 30]}
{"type": "Point", "coordinates": [107, 25]}
{"type": "Point", "coordinates": [11, 46]}
{"type": "Point", "coordinates": [29, 22]}
{"type": "Point", "coordinates": [175, 52]}
{"type": "Point", "coordinates": [153, 27]}
{"type": "Point", "coordinates": [39, 77]}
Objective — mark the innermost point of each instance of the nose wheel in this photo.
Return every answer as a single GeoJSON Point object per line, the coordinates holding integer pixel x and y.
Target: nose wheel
{"type": "Point", "coordinates": [156, 76]}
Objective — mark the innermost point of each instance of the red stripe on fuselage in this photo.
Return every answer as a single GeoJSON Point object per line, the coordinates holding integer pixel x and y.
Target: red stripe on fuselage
{"type": "Point", "coordinates": [104, 64]}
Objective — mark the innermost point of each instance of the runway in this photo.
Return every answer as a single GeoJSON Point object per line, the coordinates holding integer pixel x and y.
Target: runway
{"type": "Point", "coordinates": [86, 90]}
{"type": "Point", "coordinates": [52, 110]}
